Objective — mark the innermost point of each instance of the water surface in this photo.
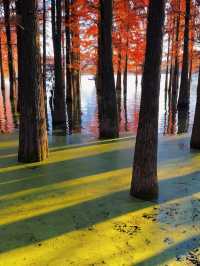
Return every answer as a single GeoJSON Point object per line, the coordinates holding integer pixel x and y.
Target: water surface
{"type": "Point", "coordinates": [87, 126]}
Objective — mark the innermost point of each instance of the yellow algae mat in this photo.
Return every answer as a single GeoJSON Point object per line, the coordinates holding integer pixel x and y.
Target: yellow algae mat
{"type": "Point", "coordinates": [75, 208]}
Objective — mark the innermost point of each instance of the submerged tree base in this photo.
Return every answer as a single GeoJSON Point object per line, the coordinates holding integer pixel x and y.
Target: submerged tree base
{"type": "Point", "coordinates": [195, 145]}
{"type": "Point", "coordinates": [145, 193]}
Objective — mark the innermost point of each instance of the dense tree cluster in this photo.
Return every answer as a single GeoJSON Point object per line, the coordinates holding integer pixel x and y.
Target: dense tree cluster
{"type": "Point", "coordinates": [41, 39]}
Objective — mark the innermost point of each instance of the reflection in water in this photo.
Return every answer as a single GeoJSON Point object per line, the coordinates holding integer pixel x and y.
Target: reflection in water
{"type": "Point", "coordinates": [180, 122]}
{"type": "Point", "coordinates": [83, 115]}
{"type": "Point", "coordinates": [8, 121]}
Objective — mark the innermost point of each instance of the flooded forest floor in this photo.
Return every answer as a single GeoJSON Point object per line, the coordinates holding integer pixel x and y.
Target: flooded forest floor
{"type": "Point", "coordinates": [75, 208]}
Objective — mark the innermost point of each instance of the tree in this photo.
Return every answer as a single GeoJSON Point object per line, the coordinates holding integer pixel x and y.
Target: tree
{"type": "Point", "coordinates": [1, 69]}
{"type": "Point", "coordinates": [144, 180]}
{"type": "Point", "coordinates": [33, 142]}
{"type": "Point", "coordinates": [108, 115]}
{"type": "Point", "coordinates": [59, 111]}
{"type": "Point", "coordinates": [44, 58]}
{"type": "Point", "coordinates": [184, 95]}
{"type": "Point", "coordinates": [12, 78]}
{"type": "Point", "coordinates": [195, 139]}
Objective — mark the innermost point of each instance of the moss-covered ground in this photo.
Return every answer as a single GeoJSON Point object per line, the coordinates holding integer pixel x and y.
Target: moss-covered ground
{"type": "Point", "coordinates": [75, 208]}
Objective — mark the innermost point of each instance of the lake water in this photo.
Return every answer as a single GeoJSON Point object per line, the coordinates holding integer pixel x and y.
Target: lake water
{"type": "Point", "coordinates": [88, 125]}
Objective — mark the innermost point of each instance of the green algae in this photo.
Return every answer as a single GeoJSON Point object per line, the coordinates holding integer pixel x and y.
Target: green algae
{"type": "Point", "coordinates": [75, 208]}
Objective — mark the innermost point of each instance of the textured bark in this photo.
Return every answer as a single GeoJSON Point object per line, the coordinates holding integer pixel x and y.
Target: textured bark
{"type": "Point", "coordinates": [68, 52]}
{"type": "Point", "coordinates": [2, 70]}
{"type": "Point", "coordinates": [19, 49]}
{"type": "Point", "coordinates": [144, 180]}
{"type": "Point", "coordinates": [44, 57]}
{"type": "Point", "coordinates": [59, 110]}
{"type": "Point", "coordinates": [195, 139]}
{"type": "Point", "coordinates": [75, 69]}
{"type": "Point", "coordinates": [167, 70]}
{"type": "Point", "coordinates": [119, 84]}
{"type": "Point", "coordinates": [119, 75]}
{"type": "Point", "coordinates": [171, 67]}
{"type": "Point", "coordinates": [125, 76]}
{"type": "Point", "coordinates": [136, 77]}
{"type": "Point", "coordinates": [12, 76]}
{"type": "Point", "coordinates": [191, 68]}
{"type": "Point", "coordinates": [175, 80]}
{"type": "Point", "coordinates": [183, 122]}
{"type": "Point", "coordinates": [184, 95]}
{"type": "Point", "coordinates": [33, 142]}
{"type": "Point", "coordinates": [108, 113]}
{"type": "Point", "coordinates": [69, 93]}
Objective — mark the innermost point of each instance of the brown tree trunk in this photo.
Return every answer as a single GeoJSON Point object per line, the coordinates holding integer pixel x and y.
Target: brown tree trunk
{"type": "Point", "coordinates": [191, 68]}
{"type": "Point", "coordinates": [12, 76]}
{"type": "Point", "coordinates": [59, 110]}
{"type": "Point", "coordinates": [119, 75]}
{"type": "Point", "coordinates": [75, 68]}
{"type": "Point", "coordinates": [119, 84]}
{"type": "Point", "coordinates": [171, 68]}
{"type": "Point", "coordinates": [144, 181]}
{"type": "Point", "coordinates": [44, 61]}
{"type": "Point", "coordinates": [195, 139]}
{"type": "Point", "coordinates": [19, 50]}
{"type": "Point", "coordinates": [167, 70]}
{"type": "Point", "coordinates": [108, 113]}
{"type": "Point", "coordinates": [183, 122]}
{"type": "Point", "coordinates": [68, 52]}
{"type": "Point", "coordinates": [125, 76]}
{"type": "Point", "coordinates": [3, 88]}
{"type": "Point", "coordinates": [136, 78]}
{"type": "Point", "coordinates": [175, 80]}
{"type": "Point", "coordinates": [69, 94]}
{"type": "Point", "coordinates": [184, 95]}
{"type": "Point", "coordinates": [33, 141]}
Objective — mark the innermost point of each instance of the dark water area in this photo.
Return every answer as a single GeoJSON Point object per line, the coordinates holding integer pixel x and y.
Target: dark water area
{"type": "Point", "coordinates": [87, 124]}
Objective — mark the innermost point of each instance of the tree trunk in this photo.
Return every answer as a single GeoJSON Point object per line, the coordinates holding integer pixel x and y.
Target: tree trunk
{"type": "Point", "coordinates": [44, 57]}
{"type": "Point", "coordinates": [175, 80]}
{"type": "Point", "coordinates": [19, 50]}
{"type": "Point", "coordinates": [119, 75]}
{"type": "Point", "coordinates": [184, 95]}
{"type": "Point", "coordinates": [33, 142]}
{"type": "Point", "coordinates": [191, 68]}
{"type": "Point", "coordinates": [12, 76]}
{"type": "Point", "coordinates": [125, 76]}
{"type": "Point", "coordinates": [167, 71]}
{"type": "Point", "coordinates": [75, 68]}
{"type": "Point", "coordinates": [108, 113]}
{"type": "Point", "coordinates": [119, 84]}
{"type": "Point", "coordinates": [171, 68]}
{"type": "Point", "coordinates": [144, 181]}
{"type": "Point", "coordinates": [59, 112]}
{"type": "Point", "coordinates": [69, 93]}
{"type": "Point", "coordinates": [183, 122]}
{"type": "Point", "coordinates": [68, 52]}
{"type": "Point", "coordinates": [136, 78]}
{"type": "Point", "coordinates": [195, 139]}
{"type": "Point", "coordinates": [3, 87]}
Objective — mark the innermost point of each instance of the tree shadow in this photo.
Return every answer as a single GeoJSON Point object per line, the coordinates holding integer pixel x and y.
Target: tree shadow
{"type": "Point", "coordinates": [47, 174]}
{"type": "Point", "coordinates": [85, 214]}
{"type": "Point", "coordinates": [39, 175]}
{"type": "Point", "coordinates": [56, 223]}
{"type": "Point", "coordinates": [177, 251]}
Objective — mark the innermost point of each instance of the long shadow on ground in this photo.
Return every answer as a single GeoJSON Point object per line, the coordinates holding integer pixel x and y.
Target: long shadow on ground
{"type": "Point", "coordinates": [59, 222]}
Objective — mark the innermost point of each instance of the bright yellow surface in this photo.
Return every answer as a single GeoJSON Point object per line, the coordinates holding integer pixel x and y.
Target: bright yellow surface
{"type": "Point", "coordinates": [75, 209]}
